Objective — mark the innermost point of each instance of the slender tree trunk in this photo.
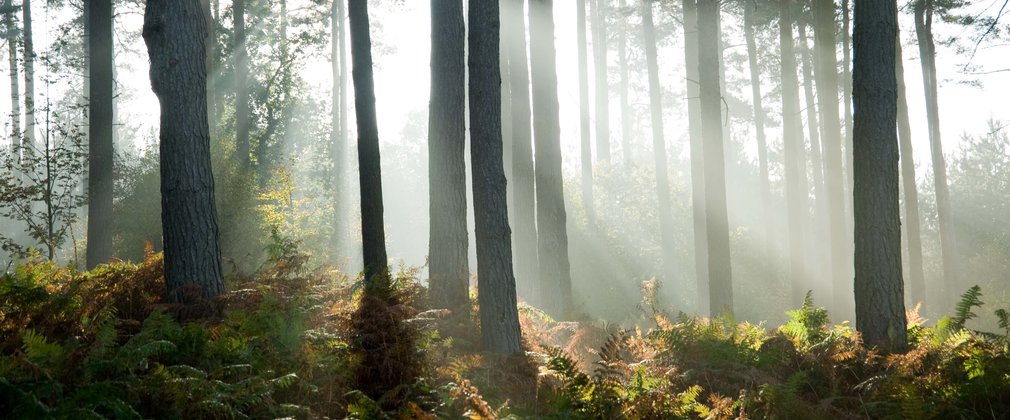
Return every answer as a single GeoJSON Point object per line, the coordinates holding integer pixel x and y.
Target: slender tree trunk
{"type": "Point", "coordinates": [658, 143]}
{"type": "Point", "coordinates": [100, 147]}
{"type": "Point", "coordinates": [552, 240]}
{"type": "Point", "coordinates": [913, 238]}
{"type": "Point", "coordinates": [499, 318]}
{"type": "Point", "coordinates": [622, 62]}
{"type": "Point", "coordinates": [795, 161]}
{"type": "Point", "coordinates": [174, 32]}
{"type": "Point", "coordinates": [923, 10]}
{"type": "Point", "coordinates": [819, 227]}
{"type": "Point", "coordinates": [599, 16]}
{"type": "Point", "coordinates": [699, 216]}
{"type": "Point", "coordinates": [341, 208]}
{"type": "Point", "coordinates": [847, 97]}
{"type": "Point", "coordinates": [373, 236]}
{"type": "Point", "coordinates": [448, 271]}
{"type": "Point", "coordinates": [12, 55]}
{"type": "Point", "coordinates": [880, 308]}
{"type": "Point", "coordinates": [241, 85]}
{"type": "Point", "coordinates": [524, 241]}
{"type": "Point", "coordinates": [759, 117]}
{"type": "Point", "coordinates": [826, 71]}
{"type": "Point", "coordinates": [338, 148]}
{"type": "Point", "coordinates": [586, 144]}
{"type": "Point", "coordinates": [719, 267]}
{"type": "Point", "coordinates": [29, 44]}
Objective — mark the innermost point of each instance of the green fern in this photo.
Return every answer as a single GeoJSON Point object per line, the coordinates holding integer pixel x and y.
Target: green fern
{"type": "Point", "coordinates": [963, 310]}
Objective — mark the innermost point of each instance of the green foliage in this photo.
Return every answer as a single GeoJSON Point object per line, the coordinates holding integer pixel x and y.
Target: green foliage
{"type": "Point", "coordinates": [808, 325]}
{"type": "Point", "coordinates": [962, 312]}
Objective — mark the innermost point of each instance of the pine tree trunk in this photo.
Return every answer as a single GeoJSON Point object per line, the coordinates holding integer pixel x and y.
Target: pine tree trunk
{"type": "Point", "coordinates": [448, 270]}
{"type": "Point", "coordinates": [880, 309]}
{"type": "Point", "coordinates": [552, 240]}
{"type": "Point", "coordinates": [12, 55]}
{"type": "Point", "coordinates": [847, 100]}
{"type": "Point", "coordinates": [373, 236]}
{"type": "Point", "coordinates": [29, 58]}
{"type": "Point", "coordinates": [599, 16]}
{"type": "Point", "coordinates": [586, 144]}
{"type": "Point", "coordinates": [818, 229]}
{"type": "Point", "coordinates": [241, 85]}
{"type": "Point", "coordinates": [338, 144]}
{"type": "Point", "coordinates": [719, 267]}
{"type": "Point", "coordinates": [622, 62]}
{"type": "Point", "coordinates": [913, 235]}
{"type": "Point", "coordinates": [499, 318]}
{"type": "Point", "coordinates": [211, 43]}
{"type": "Point", "coordinates": [100, 144]}
{"type": "Point", "coordinates": [759, 120]}
{"type": "Point", "coordinates": [923, 10]}
{"type": "Point", "coordinates": [699, 216]}
{"type": "Point", "coordinates": [524, 239]}
{"type": "Point", "coordinates": [174, 32]}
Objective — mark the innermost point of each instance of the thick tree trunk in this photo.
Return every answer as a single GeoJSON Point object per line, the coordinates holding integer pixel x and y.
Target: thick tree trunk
{"type": "Point", "coordinates": [100, 147]}
{"type": "Point", "coordinates": [599, 16]}
{"type": "Point", "coordinates": [759, 118]}
{"type": "Point", "coordinates": [719, 267]}
{"type": "Point", "coordinates": [241, 64]}
{"type": "Point", "coordinates": [622, 63]}
{"type": "Point", "coordinates": [699, 216]}
{"type": "Point", "coordinates": [29, 58]}
{"type": "Point", "coordinates": [552, 240]}
{"type": "Point", "coordinates": [586, 144]}
{"type": "Point", "coordinates": [880, 308]}
{"type": "Point", "coordinates": [12, 55]}
{"type": "Point", "coordinates": [923, 10]}
{"type": "Point", "coordinates": [174, 32]}
{"type": "Point", "coordinates": [448, 271]}
{"type": "Point", "coordinates": [524, 240]}
{"type": "Point", "coordinates": [499, 318]}
{"type": "Point", "coordinates": [658, 143]}
{"type": "Point", "coordinates": [913, 238]}
{"type": "Point", "coordinates": [826, 71]}
{"type": "Point", "coordinates": [795, 159]}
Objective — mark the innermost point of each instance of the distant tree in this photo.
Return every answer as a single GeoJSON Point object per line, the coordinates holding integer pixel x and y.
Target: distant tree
{"type": "Point", "coordinates": [586, 145]}
{"type": "Point", "coordinates": [552, 241]}
{"type": "Point", "coordinates": [622, 65]}
{"type": "Point", "coordinates": [599, 17]}
{"type": "Point", "coordinates": [759, 111]}
{"type": "Point", "coordinates": [879, 294]}
{"type": "Point", "coordinates": [373, 236]}
{"type": "Point", "coordinates": [719, 267]}
{"type": "Point", "coordinates": [448, 269]}
{"type": "Point", "coordinates": [29, 63]}
{"type": "Point", "coordinates": [11, 32]}
{"type": "Point", "coordinates": [847, 96]}
{"type": "Point", "coordinates": [175, 32]}
{"type": "Point", "coordinates": [699, 216]}
{"type": "Point", "coordinates": [100, 144]}
{"type": "Point", "coordinates": [913, 235]}
{"type": "Point", "coordinates": [241, 63]}
{"type": "Point", "coordinates": [338, 122]}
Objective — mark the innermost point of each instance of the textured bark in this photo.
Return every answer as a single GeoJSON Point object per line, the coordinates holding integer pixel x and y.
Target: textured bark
{"type": "Point", "coordinates": [552, 239]}
{"type": "Point", "coordinates": [880, 308]}
{"type": "Point", "coordinates": [29, 60]}
{"type": "Point", "coordinates": [913, 238]}
{"type": "Point", "coordinates": [524, 239]}
{"type": "Point", "coordinates": [699, 216]}
{"type": "Point", "coordinates": [622, 63]}
{"type": "Point", "coordinates": [599, 13]}
{"type": "Point", "coordinates": [658, 143]}
{"type": "Point", "coordinates": [923, 11]}
{"type": "Point", "coordinates": [373, 235]}
{"type": "Point", "coordinates": [100, 147]}
{"type": "Point", "coordinates": [586, 144]}
{"type": "Point", "coordinates": [447, 241]}
{"type": "Point", "coordinates": [174, 31]}
{"type": "Point", "coordinates": [241, 85]}
{"type": "Point", "coordinates": [826, 70]}
{"type": "Point", "coordinates": [211, 45]}
{"type": "Point", "coordinates": [12, 55]}
{"type": "Point", "coordinates": [759, 116]}
{"type": "Point", "coordinates": [499, 318]}
{"type": "Point", "coordinates": [719, 267]}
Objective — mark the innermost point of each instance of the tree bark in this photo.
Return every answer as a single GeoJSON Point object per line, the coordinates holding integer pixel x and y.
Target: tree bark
{"type": "Point", "coordinates": [622, 63]}
{"type": "Point", "coordinates": [100, 144]}
{"type": "Point", "coordinates": [880, 308]}
{"type": "Point", "coordinates": [373, 235]}
{"type": "Point", "coordinates": [719, 267]}
{"type": "Point", "coordinates": [586, 144]}
{"type": "Point", "coordinates": [29, 58]}
{"type": "Point", "coordinates": [174, 31]}
{"type": "Point", "coordinates": [599, 16]}
{"type": "Point", "coordinates": [923, 11]}
{"type": "Point", "coordinates": [499, 318]}
{"type": "Point", "coordinates": [448, 268]}
{"type": "Point", "coordinates": [759, 117]}
{"type": "Point", "coordinates": [699, 216]}
{"type": "Point", "coordinates": [211, 44]}
{"type": "Point", "coordinates": [913, 235]}
{"type": "Point", "coordinates": [242, 122]}
{"type": "Point", "coordinates": [552, 240]}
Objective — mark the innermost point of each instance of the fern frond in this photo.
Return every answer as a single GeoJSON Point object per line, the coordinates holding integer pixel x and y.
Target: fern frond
{"type": "Point", "coordinates": [962, 312]}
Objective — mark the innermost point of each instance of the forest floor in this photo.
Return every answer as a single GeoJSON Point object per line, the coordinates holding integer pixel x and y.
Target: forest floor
{"type": "Point", "coordinates": [293, 342]}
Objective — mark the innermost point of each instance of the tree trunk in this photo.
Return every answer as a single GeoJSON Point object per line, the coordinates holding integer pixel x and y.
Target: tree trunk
{"type": "Point", "coordinates": [12, 54]}
{"type": "Point", "coordinates": [795, 161]}
{"type": "Point", "coordinates": [174, 32]}
{"type": "Point", "coordinates": [524, 240]}
{"type": "Point", "coordinates": [499, 318]}
{"type": "Point", "coordinates": [847, 97]}
{"type": "Point", "coordinates": [448, 268]}
{"type": "Point", "coordinates": [211, 44]}
{"type": "Point", "coordinates": [373, 235]}
{"type": "Point", "coordinates": [913, 238]}
{"type": "Point", "coordinates": [552, 240]}
{"type": "Point", "coordinates": [586, 145]}
{"type": "Point", "coordinates": [880, 308]}
{"type": "Point", "coordinates": [599, 16]}
{"type": "Point", "coordinates": [658, 143]}
{"type": "Point", "coordinates": [719, 269]}
{"type": "Point", "coordinates": [923, 10]}
{"type": "Point", "coordinates": [100, 145]}
{"type": "Point", "coordinates": [826, 71]}
{"type": "Point", "coordinates": [699, 216]}
{"type": "Point", "coordinates": [29, 44]}
{"type": "Point", "coordinates": [622, 62]}
{"type": "Point", "coordinates": [241, 85]}
{"type": "Point", "coordinates": [818, 229]}
{"type": "Point", "coordinates": [338, 148]}
{"type": "Point", "coordinates": [759, 119]}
